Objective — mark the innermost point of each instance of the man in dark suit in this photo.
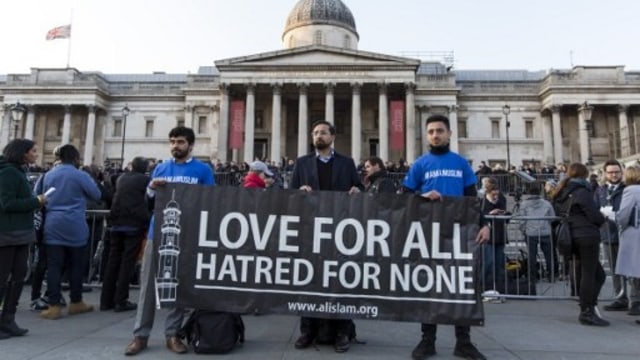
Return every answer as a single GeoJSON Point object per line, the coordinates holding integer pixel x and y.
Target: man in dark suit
{"type": "Point", "coordinates": [325, 169]}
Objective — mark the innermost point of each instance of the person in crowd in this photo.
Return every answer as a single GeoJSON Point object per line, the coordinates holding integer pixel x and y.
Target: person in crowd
{"type": "Point", "coordinates": [377, 177]}
{"type": "Point", "coordinates": [259, 176]}
{"type": "Point", "coordinates": [494, 203]}
{"type": "Point", "coordinates": [289, 166]}
{"type": "Point", "coordinates": [628, 219]}
{"type": "Point", "coordinates": [574, 195]}
{"type": "Point", "coordinates": [440, 157]}
{"type": "Point", "coordinates": [608, 197]}
{"type": "Point", "coordinates": [66, 233]}
{"type": "Point", "coordinates": [129, 217]}
{"type": "Point", "coordinates": [483, 169]}
{"type": "Point", "coordinates": [17, 204]}
{"type": "Point", "coordinates": [538, 232]}
{"type": "Point", "coordinates": [561, 172]}
{"type": "Point", "coordinates": [325, 169]}
{"type": "Point", "coordinates": [184, 168]}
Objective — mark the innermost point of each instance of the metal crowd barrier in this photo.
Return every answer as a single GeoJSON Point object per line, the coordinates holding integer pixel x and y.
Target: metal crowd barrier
{"type": "Point", "coordinates": [533, 268]}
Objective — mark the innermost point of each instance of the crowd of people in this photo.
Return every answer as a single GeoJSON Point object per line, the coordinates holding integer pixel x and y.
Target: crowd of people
{"type": "Point", "coordinates": [63, 194]}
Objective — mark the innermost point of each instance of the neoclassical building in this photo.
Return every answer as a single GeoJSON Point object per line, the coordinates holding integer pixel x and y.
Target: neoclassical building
{"type": "Point", "coordinates": [262, 105]}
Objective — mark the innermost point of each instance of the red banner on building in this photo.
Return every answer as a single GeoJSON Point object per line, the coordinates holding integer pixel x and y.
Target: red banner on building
{"type": "Point", "coordinates": [236, 122]}
{"type": "Point", "coordinates": [397, 125]}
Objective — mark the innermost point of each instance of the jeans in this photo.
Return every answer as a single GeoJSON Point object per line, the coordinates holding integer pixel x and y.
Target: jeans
{"type": "Point", "coordinates": [550, 256]}
{"type": "Point", "coordinates": [493, 271]}
{"type": "Point", "coordinates": [72, 259]}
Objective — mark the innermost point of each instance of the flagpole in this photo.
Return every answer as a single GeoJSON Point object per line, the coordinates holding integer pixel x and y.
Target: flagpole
{"type": "Point", "coordinates": [69, 42]}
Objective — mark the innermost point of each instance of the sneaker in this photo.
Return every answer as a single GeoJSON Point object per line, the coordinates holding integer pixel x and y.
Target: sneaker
{"type": "Point", "coordinates": [635, 309]}
{"type": "Point", "coordinates": [79, 308]}
{"type": "Point", "coordinates": [39, 304]}
{"type": "Point", "coordinates": [425, 349]}
{"type": "Point", "coordinates": [304, 341]}
{"type": "Point", "coordinates": [468, 351]}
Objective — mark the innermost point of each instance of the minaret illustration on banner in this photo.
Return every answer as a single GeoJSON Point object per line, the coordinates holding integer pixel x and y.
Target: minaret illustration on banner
{"type": "Point", "coordinates": [168, 251]}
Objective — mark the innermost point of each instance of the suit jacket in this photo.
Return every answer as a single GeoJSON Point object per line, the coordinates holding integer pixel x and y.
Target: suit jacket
{"type": "Point", "coordinates": [609, 231]}
{"type": "Point", "coordinates": [344, 174]}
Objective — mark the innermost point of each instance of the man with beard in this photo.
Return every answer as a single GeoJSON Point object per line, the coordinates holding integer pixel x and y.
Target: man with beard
{"type": "Point", "coordinates": [181, 168]}
{"type": "Point", "coordinates": [441, 172]}
{"type": "Point", "coordinates": [608, 197]}
{"type": "Point", "coordinates": [325, 169]}
{"type": "Point", "coordinates": [378, 178]}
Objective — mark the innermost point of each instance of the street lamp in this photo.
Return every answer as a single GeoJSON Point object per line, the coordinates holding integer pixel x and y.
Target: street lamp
{"type": "Point", "coordinates": [506, 110]}
{"type": "Point", "coordinates": [587, 111]}
{"type": "Point", "coordinates": [17, 112]}
{"type": "Point", "coordinates": [125, 113]}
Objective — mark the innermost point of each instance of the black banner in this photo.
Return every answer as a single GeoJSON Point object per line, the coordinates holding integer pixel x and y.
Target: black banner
{"type": "Point", "coordinates": [320, 254]}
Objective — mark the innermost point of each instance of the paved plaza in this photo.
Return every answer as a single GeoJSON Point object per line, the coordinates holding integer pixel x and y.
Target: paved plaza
{"type": "Point", "coordinates": [516, 329]}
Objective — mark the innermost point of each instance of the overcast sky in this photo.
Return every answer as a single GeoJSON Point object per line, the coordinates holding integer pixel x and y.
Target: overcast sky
{"type": "Point", "coordinates": [142, 36]}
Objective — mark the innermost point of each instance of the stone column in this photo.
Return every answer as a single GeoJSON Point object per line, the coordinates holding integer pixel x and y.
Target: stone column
{"type": "Point", "coordinates": [383, 119]}
{"type": "Point", "coordinates": [276, 123]}
{"type": "Point", "coordinates": [66, 125]}
{"type": "Point", "coordinates": [329, 103]}
{"type": "Point", "coordinates": [214, 129]}
{"type": "Point", "coordinates": [31, 120]}
{"type": "Point", "coordinates": [89, 138]}
{"type": "Point", "coordinates": [249, 123]}
{"type": "Point", "coordinates": [356, 122]}
{"type": "Point", "coordinates": [410, 105]}
{"type": "Point", "coordinates": [188, 117]}
{"type": "Point", "coordinates": [583, 136]}
{"type": "Point", "coordinates": [625, 144]}
{"type": "Point", "coordinates": [424, 114]}
{"type": "Point", "coordinates": [5, 127]}
{"type": "Point", "coordinates": [303, 122]}
{"type": "Point", "coordinates": [223, 135]}
{"type": "Point", "coordinates": [547, 144]}
{"type": "Point", "coordinates": [453, 125]}
{"type": "Point", "coordinates": [557, 134]}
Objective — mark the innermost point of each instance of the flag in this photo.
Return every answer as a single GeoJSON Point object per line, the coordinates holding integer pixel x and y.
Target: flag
{"type": "Point", "coordinates": [60, 32]}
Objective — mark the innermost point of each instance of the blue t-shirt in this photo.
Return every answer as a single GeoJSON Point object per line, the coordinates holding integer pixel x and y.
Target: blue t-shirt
{"type": "Point", "coordinates": [449, 174]}
{"type": "Point", "coordinates": [192, 171]}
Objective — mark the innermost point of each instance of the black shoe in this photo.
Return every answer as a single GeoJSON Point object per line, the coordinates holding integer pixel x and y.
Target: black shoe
{"type": "Point", "coordinates": [4, 335]}
{"type": "Point", "coordinates": [342, 343]}
{"type": "Point", "coordinates": [617, 305]}
{"type": "Point", "coordinates": [638, 322]}
{"type": "Point", "coordinates": [126, 306]}
{"type": "Point", "coordinates": [105, 307]}
{"type": "Point", "coordinates": [13, 329]}
{"type": "Point", "coordinates": [635, 309]}
{"type": "Point", "coordinates": [304, 341]}
{"type": "Point", "coordinates": [468, 351]}
{"type": "Point", "coordinates": [589, 317]}
{"type": "Point", "coordinates": [425, 349]}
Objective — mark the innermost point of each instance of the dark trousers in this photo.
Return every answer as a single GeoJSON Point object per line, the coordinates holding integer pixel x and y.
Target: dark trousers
{"type": "Point", "coordinates": [13, 263]}
{"type": "Point", "coordinates": [73, 259]}
{"type": "Point", "coordinates": [121, 264]}
{"type": "Point", "coordinates": [592, 276]}
{"type": "Point", "coordinates": [309, 325]}
{"type": "Point", "coordinates": [38, 273]}
{"type": "Point", "coordinates": [463, 333]}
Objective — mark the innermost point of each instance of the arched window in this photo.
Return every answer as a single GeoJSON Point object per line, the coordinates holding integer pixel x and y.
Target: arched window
{"type": "Point", "coordinates": [317, 38]}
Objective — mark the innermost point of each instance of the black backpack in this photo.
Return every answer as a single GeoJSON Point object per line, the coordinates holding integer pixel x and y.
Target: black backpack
{"type": "Point", "coordinates": [213, 332]}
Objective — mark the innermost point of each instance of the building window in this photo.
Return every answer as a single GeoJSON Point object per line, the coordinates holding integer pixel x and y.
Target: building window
{"type": "Point", "coordinates": [259, 120]}
{"type": "Point", "coordinates": [148, 129]}
{"type": "Point", "coordinates": [462, 128]}
{"type": "Point", "coordinates": [202, 124]}
{"type": "Point", "coordinates": [60, 126]}
{"type": "Point", "coordinates": [528, 129]}
{"type": "Point", "coordinates": [117, 128]}
{"type": "Point", "coordinates": [317, 38]}
{"type": "Point", "coordinates": [180, 122]}
{"type": "Point", "coordinates": [495, 129]}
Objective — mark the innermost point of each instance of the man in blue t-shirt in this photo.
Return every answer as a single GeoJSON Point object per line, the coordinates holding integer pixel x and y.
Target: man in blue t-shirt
{"type": "Point", "coordinates": [441, 172]}
{"type": "Point", "coordinates": [181, 168]}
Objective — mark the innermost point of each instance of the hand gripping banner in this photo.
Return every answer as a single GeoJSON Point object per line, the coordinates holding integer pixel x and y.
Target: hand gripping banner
{"type": "Point", "coordinates": [321, 254]}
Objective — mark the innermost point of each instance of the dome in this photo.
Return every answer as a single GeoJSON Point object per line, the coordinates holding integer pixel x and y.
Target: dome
{"type": "Point", "coordinates": [321, 12]}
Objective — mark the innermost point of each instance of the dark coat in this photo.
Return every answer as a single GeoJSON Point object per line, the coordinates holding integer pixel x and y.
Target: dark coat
{"type": "Point", "coordinates": [585, 218]}
{"type": "Point", "coordinates": [498, 235]}
{"type": "Point", "coordinates": [344, 174]}
{"type": "Point", "coordinates": [130, 206]}
{"type": "Point", "coordinates": [17, 202]}
{"type": "Point", "coordinates": [381, 182]}
{"type": "Point", "coordinates": [609, 232]}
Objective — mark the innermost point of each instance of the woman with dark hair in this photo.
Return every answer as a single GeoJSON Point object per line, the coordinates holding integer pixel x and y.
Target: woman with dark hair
{"type": "Point", "coordinates": [573, 195]}
{"type": "Point", "coordinates": [17, 204]}
{"type": "Point", "coordinates": [66, 233]}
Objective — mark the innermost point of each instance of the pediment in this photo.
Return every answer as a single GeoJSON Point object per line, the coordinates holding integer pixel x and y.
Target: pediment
{"type": "Point", "coordinates": [316, 55]}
